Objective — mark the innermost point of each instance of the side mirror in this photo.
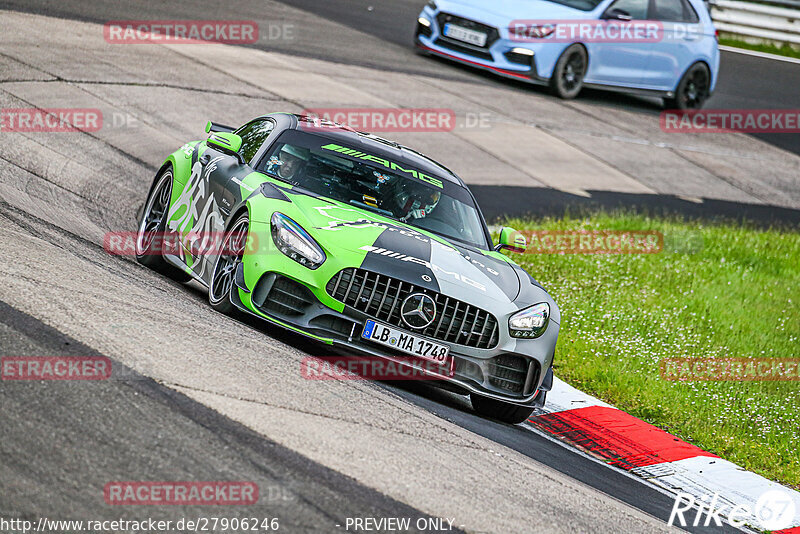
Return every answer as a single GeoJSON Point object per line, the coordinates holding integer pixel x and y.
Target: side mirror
{"type": "Point", "coordinates": [617, 14]}
{"type": "Point", "coordinates": [512, 240]}
{"type": "Point", "coordinates": [229, 143]}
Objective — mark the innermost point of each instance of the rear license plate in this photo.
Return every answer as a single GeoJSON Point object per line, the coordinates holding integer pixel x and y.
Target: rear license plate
{"type": "Point", "coordinates": [463, 34]}
{"type": "Point", "coordinates": [411, 344]}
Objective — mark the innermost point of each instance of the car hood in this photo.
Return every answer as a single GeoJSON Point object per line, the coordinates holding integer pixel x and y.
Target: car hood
{"type": "Point", "coordinates": [501, 12]}
{"type": "Point", "coordinates": [387, 246]}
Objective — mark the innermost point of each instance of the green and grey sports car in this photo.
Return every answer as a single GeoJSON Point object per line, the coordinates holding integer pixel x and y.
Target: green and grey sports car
{"type": "Point", "coordinates": [360, 243]}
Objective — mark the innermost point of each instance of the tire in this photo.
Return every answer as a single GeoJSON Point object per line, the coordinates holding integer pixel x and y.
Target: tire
{"type": "Point", "coordinates": [693, 89]}
{"type": "Point", "coordinates": [152, 225]}
{"type": "Point", "coordinates": [567, 79]}
{"type": "Point", "coordinates": [502, 411]}
{"type": "Point", "coordinates": [222, 276]}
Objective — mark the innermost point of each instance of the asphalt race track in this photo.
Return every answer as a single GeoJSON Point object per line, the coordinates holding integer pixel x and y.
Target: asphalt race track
{"type": "Point", "coordinates": [125, 421]}
{"type": "Point", "coordinates": [745, 81]}
{"type": "Point", "coordinates": [735, 176]}
{"type": "Point", "coordinates": [199, 396]}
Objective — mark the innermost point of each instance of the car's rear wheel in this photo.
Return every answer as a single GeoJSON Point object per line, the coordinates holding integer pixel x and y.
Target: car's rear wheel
{"type": "Point", "coordinates": [502, 411]}
{"type": "Point", "coordinates": [231, 254]}
{"type": "Point", "coordinates": [567, 79]}
{"type": "Point", "coordinates": [693, 89]}
{"type": "Point", "coordinates": [151, 235]}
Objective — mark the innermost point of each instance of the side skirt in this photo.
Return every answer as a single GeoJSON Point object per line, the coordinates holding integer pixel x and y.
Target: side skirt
{"type": "Point", "coordinates": [176, 262]}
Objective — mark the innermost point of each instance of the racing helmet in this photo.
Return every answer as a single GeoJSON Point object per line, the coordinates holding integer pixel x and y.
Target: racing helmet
{"type": "Point", "coordinates": [418, 203]}
{"type": "Point", "coordinates": [289, 160]}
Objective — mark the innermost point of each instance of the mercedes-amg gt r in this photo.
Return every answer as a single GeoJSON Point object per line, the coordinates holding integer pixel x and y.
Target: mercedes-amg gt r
{"type": "Point", "coordinates": [357, 242]}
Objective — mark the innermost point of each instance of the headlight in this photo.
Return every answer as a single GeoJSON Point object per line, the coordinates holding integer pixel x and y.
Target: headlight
{"type": "Point", "coordinates": [535, 31]}
{"type": "Point", "coordinates": [292, 240]}
{"type": "Point", "coordinates": [530, 322]}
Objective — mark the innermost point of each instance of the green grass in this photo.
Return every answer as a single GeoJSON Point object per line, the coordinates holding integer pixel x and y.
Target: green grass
{"type": "Point", "coordinates": [784, 50]}
{"type": "Point", "coordinates": [717, 290]}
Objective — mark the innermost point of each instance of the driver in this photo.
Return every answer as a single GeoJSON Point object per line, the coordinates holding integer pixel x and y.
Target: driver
{"type": "Point", "coordinates": [288, 164]}
{"type": "Point", "coordinates": [417, 205]}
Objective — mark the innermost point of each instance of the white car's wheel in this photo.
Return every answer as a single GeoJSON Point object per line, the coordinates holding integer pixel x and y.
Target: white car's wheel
{"type": "Point", "coordinates": [693, 89]}
{"type": "Point", "coordinates": [567, 79]}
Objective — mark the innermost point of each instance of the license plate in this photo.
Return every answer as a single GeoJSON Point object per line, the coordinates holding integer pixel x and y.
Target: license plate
{"type": "Point", "coordinates": [411, 344]}
{"type": "Point", "coordinates": [463, 34]}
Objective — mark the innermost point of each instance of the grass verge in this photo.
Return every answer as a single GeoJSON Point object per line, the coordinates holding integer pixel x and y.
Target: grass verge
{"type": "Point", "coordinates": [717, 290]}
{"type": "Point", "coordinates": [784, 50]}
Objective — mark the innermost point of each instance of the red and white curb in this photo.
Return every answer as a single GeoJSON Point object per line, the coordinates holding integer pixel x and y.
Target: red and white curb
{"type": "Point", "coordinates": [640, 448]}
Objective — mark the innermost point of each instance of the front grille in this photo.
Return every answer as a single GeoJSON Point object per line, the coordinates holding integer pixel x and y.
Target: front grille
{"type": "Point", "coordinates": [285, 296]}
{"type": "Point", "coordinates": [381, 297]}
{"type": "Point", "coordinates": [444, 42]}
{"type": "Point", "coordinates": [492, 34]}
{"type": "Point", "coordinates": [508, 372]}
{"type": "Point", "coordinates": [477, 51]}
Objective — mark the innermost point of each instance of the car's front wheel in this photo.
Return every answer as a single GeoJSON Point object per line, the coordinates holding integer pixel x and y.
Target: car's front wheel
{"type": "Point", "coordinates": [693, 89]}
{"type": "Point", "coordinates": [567, 79]}
{"type": "Point", "coordinates": [502, 411]}
{"type": "Point", "coordinates": [151, 237]}
{"type": "Point", "coordinates": [231, 254]}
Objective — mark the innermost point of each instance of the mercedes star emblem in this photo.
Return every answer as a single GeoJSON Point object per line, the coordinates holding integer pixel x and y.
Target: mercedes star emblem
{"type": "Point", "coordinates": [418, 310]}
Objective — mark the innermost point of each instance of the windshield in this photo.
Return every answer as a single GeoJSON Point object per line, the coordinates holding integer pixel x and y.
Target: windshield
{"type": "Point", "coordinates": [374, 183]}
